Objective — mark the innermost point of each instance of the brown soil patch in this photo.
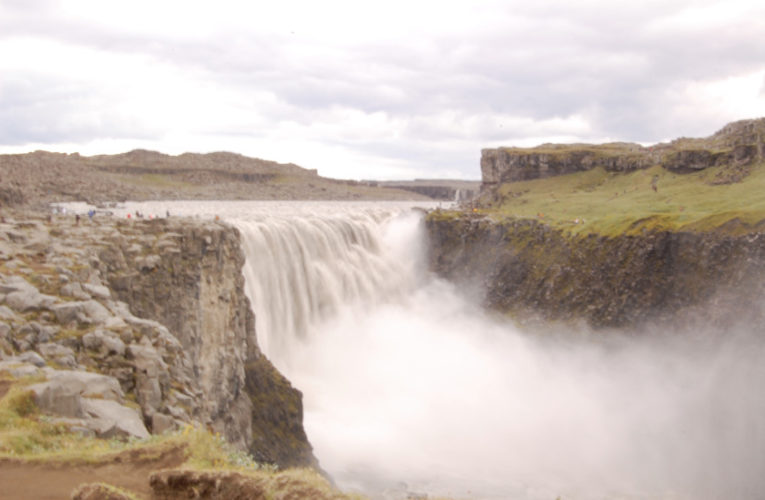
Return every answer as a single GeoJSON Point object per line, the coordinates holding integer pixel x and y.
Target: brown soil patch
{"type": "Point", "coordinates": [4, 386]}
{"type": "Point", "coordinates": [21, 480]}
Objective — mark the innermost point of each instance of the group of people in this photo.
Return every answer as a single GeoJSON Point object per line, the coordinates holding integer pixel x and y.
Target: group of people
{"type": "Point", "coordinates": [56, 210]}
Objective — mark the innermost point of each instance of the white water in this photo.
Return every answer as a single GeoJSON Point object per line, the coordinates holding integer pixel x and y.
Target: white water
{"type": "Point", "coordinates": [406, 381]}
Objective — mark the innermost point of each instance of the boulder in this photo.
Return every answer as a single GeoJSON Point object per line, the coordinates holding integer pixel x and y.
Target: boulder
{"type": "Point", "coordinates": [75, 290]}
{"type": "Point", "coordinates": [32, 358]}
{"type": "Point", "coordinates": [65, 390]}
{"type": "Point", "coordinates": [58, 399]}
{"type": "Point", "coordinates": [105, 342]}
{"type": "Point", "coordinates": [88, 312]}
{"type": "Point", "coordinates": [161, 423]}
{"type": "Point", "coordinates": [127, 421]}
{"type": "Point", "coordinates": [58, 353]}
{"type": "Point", "coordinates": [17, 368]}
{"type": "Point", "coordinates": [7, 314]}
{"type": "Point", "coordinates": [29, 300]}
{"type": "Point", "coordinates": [14, 283]}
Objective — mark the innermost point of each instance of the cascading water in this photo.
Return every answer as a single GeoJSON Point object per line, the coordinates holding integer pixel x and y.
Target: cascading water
{"type": "Point", "coordinates": [410, 387]}
{"type": "Point", "coordinates": [302, 270]}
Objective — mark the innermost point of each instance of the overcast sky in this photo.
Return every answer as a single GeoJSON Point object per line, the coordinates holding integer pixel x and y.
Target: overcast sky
{"type": "Point", "coordinates": [363, 90]}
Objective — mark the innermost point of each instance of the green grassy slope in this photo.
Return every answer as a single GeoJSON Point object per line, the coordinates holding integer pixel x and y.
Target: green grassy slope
{"type": "Point", "coordinates": [610, 203]}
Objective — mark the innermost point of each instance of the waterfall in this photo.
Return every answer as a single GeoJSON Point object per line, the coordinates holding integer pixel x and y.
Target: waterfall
{"type": "Point", "coordinates": [301, 270]}
{"type": "Point", "coordinates": [410, 387]}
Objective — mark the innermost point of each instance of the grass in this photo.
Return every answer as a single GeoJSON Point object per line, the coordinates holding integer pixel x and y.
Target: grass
{"type": "Point", "coordinates": [27, 435]}
{"type": "Point", "coordinates": [608, 203]}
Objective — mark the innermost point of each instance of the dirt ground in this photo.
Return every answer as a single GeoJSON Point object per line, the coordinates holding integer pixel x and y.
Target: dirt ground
{"type": "Point", "coordinates": [21, 480]}
{"type": "Point", "coordinates": [4, 386]}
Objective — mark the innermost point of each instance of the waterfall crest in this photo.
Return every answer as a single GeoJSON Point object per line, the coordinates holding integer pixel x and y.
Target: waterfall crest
{"type": "Point", "coordinates": [303, 268]}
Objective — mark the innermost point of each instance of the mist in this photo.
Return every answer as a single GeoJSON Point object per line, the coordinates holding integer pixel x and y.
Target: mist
{"type": "Point", "coordinates": [422, 391]}
{"type": "Point", "coordinates": [411, 387]}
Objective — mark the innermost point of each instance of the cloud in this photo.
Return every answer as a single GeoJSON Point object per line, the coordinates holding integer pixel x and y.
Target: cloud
{"type": "Point", "coordinates": [401, 86]}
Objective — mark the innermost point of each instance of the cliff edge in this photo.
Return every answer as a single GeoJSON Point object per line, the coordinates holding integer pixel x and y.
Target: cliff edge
{"type": "Point", "coordinates": [150, 318]}
{"type": "Point", "coordinates": [738, 144]}
{"type": "Point", "coordinates": [616, 235]}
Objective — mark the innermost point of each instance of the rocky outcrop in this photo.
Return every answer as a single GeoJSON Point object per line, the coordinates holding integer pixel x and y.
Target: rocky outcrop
{"type": "Point", "coordinates": [188, 278]}
{"type": "Point", "coordinates": [526, 268]}
{"type": "Point", "coordinates": [737, 144]}
{"type": "Point", "coordinates": [517, 164]}
{"type": "Point", "coordinates": [291, 484]}
{"type": "Point", "coordinates": [158, 308]}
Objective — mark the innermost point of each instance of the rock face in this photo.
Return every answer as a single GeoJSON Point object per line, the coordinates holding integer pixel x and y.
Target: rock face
{"type": "Point", "coordinates": [738, 144]}
{"type": "Point", "coordinates": [188, 278]}
{"type": "Point", "coordinates": [515, 164]}
{"type": "Point", "coordinates": [157, 310]}
{"type": "Point", "coordinates": [525, 267]}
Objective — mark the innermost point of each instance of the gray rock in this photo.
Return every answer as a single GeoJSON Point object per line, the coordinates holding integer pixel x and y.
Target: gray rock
{"type": "Point", "coordinates": [5, 331]}
{"type": "Point", "coordinates": [115, 323]}
{"type": "Point", "coordinates": [59, 399]}
{"type": "Point", "coordinates": [114, 345]}
{"type": "Point", "coordinates": [46, 332]}
{"type": "Point", "coordinates": [88, 312]}
{"type": "Point", "coordinates": [7, 314]}
{"type": "Point", "coordinates": [88, 384]}
{"type": "Point", "coordinates": [105, 342]}
{"type": "Point", "coordinates": [58, 353]}
{"type": "Point", "coordinates": [148, 368]}
{"type": "Point", "coordinates": [17, 368]}
{"type": "Point", "coordinates": [161, 423]}
{"type": "Point", "coordinates": [65, 390]}
{"type": "Point", "coordinates": [15, 284]}
{"type": "Point", "coordinates": [93, 340]}
{"type": "Point", "coordinates": [75, 290]}
{"type": "Point", "coordinates": [29, 300]}
{"type": "Point", "coordinates": [32, 358]}
{"type": "Point", "coordinates": [149, 262]}
{"type": "Point", "coordinates": [98, 291]}
{"type": "Point", "coordinates": [127, 422]}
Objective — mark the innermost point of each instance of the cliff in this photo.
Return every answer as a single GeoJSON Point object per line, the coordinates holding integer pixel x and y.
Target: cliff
{"type": "Point", "coordinates": [157, 308]}
{"type": "Point", "coordinates": [616, 235]}
{"type": "Point", "coordinates": [740, 143]}
{"type": "Point", "coordinates": [529, 269]}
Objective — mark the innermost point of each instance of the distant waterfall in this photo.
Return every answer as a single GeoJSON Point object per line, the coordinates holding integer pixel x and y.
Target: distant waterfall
{"type": "Point", "coordinates": [301, 269]}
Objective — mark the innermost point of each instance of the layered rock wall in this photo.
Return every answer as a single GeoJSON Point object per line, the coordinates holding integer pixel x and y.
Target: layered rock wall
{"type": "Point", "coordinates": [739, 144]}
{"type": "Point", "coordinates": [188, 277]}
{"type": "Point", "coordinates": [527, 268]}
{"type": "Point", "coordinates": [158, 309]}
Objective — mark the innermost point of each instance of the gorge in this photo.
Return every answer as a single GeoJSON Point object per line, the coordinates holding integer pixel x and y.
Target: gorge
{"type": "Point", "coordinates": [410, 386]}
{"type": "Point", "coordinates": [589, 327]}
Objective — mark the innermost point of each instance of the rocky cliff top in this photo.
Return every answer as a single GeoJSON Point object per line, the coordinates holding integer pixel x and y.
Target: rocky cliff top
{"type": "Point", "coordinates": [138, 327]}
{"type": "Point", "coordinates": [740, 144]}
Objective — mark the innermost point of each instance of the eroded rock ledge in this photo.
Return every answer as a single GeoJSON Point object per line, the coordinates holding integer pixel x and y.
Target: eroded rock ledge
{"type": "Point", "coordinates": [158, 309]}
{"type": "Point", "coordinates": [738, 144]}
{"type": "Point", "coordinates": [527, 268]}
